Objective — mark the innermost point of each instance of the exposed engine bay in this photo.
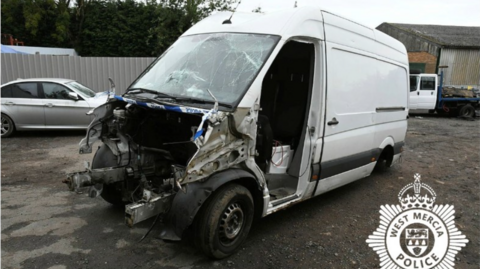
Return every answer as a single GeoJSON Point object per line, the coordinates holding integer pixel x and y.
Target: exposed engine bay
{"type": "Point", "coordinates": [152, 151]}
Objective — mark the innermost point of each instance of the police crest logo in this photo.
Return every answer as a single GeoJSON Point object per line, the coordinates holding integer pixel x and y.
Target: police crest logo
{"type": "Point", "coordinates": [417, 233]}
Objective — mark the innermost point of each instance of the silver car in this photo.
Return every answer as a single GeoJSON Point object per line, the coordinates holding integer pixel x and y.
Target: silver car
{"type": "Point", "coordinates": [50, 103]}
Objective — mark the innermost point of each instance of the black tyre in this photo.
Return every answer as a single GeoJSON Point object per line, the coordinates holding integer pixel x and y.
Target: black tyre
{"type": "Point", "coordinates": [466, 111]}
{"type": "Point", "coordinates": [111, 193]}
{"type": "Point", "coordinates": [223, 223]}
{"type": "Point", "coordinates": [385, 159]}
{"type": "Point", "coordinates": [8, 128]}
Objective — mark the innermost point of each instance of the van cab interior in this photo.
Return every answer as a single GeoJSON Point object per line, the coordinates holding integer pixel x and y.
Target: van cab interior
{"type": "Point", "coordinates": [282, 120]}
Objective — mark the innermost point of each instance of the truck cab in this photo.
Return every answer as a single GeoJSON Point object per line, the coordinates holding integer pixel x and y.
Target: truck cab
{"type": "Point", "coordinates": [423, 91]}
{"type": "Point", "coordinates": [427, 92]}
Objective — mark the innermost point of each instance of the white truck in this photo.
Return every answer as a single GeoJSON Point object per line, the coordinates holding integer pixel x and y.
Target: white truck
{"type": "Point", "coordinates": [246, 116]}
{"type": "Point", "coordinates": [427, 93]}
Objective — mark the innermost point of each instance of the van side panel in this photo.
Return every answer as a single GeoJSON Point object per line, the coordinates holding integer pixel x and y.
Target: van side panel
{"type": "Point", "coordinates": [390, 49]}
{"type": "Point", "coordinates": [366, 101]}
{"type": "Point", "coordinates": [351, 83]}
{"type": "Point", "coordinates": [391, 104]}
{"type": "Point", "coordinates": [347, 149]}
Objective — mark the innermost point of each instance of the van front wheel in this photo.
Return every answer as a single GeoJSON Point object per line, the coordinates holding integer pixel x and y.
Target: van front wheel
{"type": "Point", "coordinates": [224, 221]}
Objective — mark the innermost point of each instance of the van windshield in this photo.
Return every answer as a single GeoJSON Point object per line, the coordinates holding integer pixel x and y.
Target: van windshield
{"type": "Point", "coordinates": [224, 63]}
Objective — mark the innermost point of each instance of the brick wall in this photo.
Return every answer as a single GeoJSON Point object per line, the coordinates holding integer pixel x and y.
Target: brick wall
{"type": "Point", "coordinates": [424, 57]}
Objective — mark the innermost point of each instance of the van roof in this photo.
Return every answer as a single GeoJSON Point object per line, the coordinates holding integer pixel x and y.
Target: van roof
{"type": "Point", "coordinates": [274, 23]}
{"type": "Point", "coordinates": [301, 21]}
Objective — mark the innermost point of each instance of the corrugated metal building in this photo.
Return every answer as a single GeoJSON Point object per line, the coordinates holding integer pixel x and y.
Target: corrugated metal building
{"type": "Point", "coordinates": [431, 46]}
{"type": "Point", "coordinates": [90, 71]}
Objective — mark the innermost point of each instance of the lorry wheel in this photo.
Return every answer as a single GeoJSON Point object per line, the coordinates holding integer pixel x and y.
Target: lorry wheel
{"type": "Point", "coordinates": [112, 193]}
{"type": "Point", "coordinates": [466, 111]}
{"type": "Point", "coordinates": [224, 221]}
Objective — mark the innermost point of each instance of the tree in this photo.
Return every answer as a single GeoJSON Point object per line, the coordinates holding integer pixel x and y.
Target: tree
{"type": "Point", "coordinates": [105, 27]}
{"type": "Point", "coordinates": [37, 22]}
{"type": "Point", "coordinates": [174, 17]}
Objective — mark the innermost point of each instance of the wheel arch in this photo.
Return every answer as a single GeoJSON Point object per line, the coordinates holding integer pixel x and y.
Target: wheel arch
{"type": "Point", "coordinates": [186, 205]}
{"type": "Point", "coordinates": [387, 151]}
{"type": "Point", "coordinates": [388, 141]}
{"type": "Point", "coordinates": [8, 115]}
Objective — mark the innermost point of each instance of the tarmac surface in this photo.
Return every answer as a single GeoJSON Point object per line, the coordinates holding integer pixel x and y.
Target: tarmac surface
{"type": "Point", "coordinates": [43, 225]}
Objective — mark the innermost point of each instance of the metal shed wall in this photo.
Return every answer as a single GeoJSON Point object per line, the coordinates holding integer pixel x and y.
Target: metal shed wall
{"type": "Point", "coordinates": [90, 71]}
{"type": "Point", "coordinates": [463, 67]}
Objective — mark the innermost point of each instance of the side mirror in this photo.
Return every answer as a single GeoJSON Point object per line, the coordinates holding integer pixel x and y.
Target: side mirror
{"type": "Point", "coordinates": [73, 96]}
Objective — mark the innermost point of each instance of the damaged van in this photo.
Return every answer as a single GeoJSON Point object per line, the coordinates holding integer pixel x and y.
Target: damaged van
{"type": "Point", "coordinates": [247, 116]}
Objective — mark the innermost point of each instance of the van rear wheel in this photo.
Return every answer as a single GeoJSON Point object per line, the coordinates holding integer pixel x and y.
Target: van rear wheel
{"type": "Point", "coordinates": [385, 159]}
{"type": "Point", "coordinates": [224, 221]}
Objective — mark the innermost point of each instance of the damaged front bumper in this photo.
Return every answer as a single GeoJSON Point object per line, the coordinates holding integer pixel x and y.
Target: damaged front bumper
{"type": "Point", "coordinates": [150, 205]}
{"type": "Point", "coordinates": [78, 180]}
{"type": "Point", "coordinates": [137, 212]}
{"type": "Point", "coordinates": [157, 150]}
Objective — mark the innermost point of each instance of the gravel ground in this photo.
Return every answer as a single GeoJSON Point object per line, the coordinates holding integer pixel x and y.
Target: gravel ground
{"type": "Point", "coordinates": [46, 226]}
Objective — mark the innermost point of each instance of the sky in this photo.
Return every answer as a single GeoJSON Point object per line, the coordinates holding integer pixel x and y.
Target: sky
{"type": "Point", "coordinates": [374, 12]}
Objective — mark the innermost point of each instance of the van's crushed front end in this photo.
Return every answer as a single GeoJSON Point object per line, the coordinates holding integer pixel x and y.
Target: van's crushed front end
{"type": "Point", "coordinates": [186, 126]}
{"type": "Point", "coordinates": [151, 151]}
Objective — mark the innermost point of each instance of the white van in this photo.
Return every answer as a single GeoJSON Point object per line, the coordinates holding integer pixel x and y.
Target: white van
{"type": "Point", "coordinates": [241, 118]}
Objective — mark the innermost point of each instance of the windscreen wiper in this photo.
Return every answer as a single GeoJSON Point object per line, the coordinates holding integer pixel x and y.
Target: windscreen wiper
{"type": "Point", "coordinates": [143, 90]}
{"type": "Point", "coordinates": [162, 96]}
{"type": "Point", "coordinates": [197, 101]}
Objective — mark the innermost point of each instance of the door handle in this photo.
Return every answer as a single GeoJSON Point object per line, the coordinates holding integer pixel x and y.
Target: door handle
{"type": "Point", "coordinates": [418, 93]}
{"type": "Point", "coordinates": [334, 121]}
{"type": "Point", "coordinates": [49, 105]}
{"type": "Point", "coordinates": [431, 93]}
{"type": "Point", "coordinates": [10, 103]}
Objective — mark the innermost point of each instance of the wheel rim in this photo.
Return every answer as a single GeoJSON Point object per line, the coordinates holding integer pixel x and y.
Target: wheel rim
{"type": "Point", "coordinates": [467, 112]}
{"type": "Point", "coordinates": [231, 223]}
{"type": "Point", "coordinates": [5, 125]}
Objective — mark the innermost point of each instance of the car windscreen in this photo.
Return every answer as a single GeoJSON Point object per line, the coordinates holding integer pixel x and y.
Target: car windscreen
{"type": "Point", "coordinates": [223, 63]}
{"type": "Point", "coordinates": [82, 89]}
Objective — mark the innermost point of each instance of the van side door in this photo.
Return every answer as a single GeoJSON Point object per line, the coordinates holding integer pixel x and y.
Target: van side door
{"type": "Point", "coordinates": [351, 76]}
